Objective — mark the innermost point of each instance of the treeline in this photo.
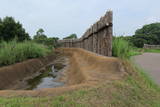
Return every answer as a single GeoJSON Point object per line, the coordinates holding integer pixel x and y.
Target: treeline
{"type": "Point", "coordinates": [41, 38]}
{"type": "Point", "coordinates": [148, 34]}
{"type": "Point", "coordinates": [16, 44]}
{"type": "Point", "coordinates": [11, 30]}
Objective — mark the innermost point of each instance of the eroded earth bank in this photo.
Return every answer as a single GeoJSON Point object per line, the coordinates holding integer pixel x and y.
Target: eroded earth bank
{"type": "Point", "coordinates": [66, 70]}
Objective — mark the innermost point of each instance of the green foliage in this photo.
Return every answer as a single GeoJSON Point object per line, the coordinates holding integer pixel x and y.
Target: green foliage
{"type": "Point", "coordinates": [72, 36]}
{"type": "Point", "coordinates": [127, 38]}
{"type": "Point", "coordinates": [148, 34]}
{"type": "Point", "coordinates": [41, 38]}
{"type": "Point", "coordinates": [152, 50]}
{"type": "Point", "coordinates": [147, 79]}
{"type": "Point", "coordinates": [51, 42]}
{"type": "Point", "coordinates": [13, 52]}
{"type": "Point", "coordinates": [10, 29]}
{"type": "Point", "coordinates": [123, 49]}
{"type": "Point", "coordinates": [120, 48]}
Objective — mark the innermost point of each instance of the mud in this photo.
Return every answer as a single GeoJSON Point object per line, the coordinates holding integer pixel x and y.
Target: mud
{"type": "Point", "coordinates": [50, 77]}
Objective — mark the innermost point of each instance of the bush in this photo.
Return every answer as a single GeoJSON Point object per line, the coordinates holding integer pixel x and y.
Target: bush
{"type": "Point", "coordinates": [13, 52]}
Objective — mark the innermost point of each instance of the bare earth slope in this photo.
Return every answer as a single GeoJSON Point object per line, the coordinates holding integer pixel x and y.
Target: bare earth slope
{"type": "Point", "coordinates": [85, 69]}
{"type": "Point", "coordinates": [91, 81]}
{"type": "Point", "coordinates": [150, 62]}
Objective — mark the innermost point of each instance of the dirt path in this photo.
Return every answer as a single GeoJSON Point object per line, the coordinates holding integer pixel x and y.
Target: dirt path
{"type": "Point", "coordinates": [150, 62]}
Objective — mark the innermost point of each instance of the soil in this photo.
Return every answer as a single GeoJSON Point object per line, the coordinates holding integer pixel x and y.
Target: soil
{"type": "Point", "coordinates": [85, 70]}
{"type": "Point", "coordinates": [150, 62]}
{"type": "Point", "coordinates": [14, 76]}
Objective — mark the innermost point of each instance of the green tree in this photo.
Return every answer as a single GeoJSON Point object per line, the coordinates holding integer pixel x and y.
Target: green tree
{"type": "Point", "coordinates": [72, 36]}
{"type": "Point", "coordinates": [40, 37]}
{"type": "Point", "coordinates": [1, 26]}
{"type": "Point", "coordinates": [52, 41]}
{"type": "Point", "coordinates": [148, 34]}
{"type": "Point", "coordinates": [10, 29]}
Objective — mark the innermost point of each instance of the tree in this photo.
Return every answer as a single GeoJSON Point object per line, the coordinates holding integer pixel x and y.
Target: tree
{"type": "Point", "coordinates": [52, 41]}
{"type": "Point", "coordinates": [72, 36]}
{"type": "Point", "coordinates": [10, 29]}
{"type": "Point", "coordinates": [40, 34]}
{"type": "Point", "coordinates": [148, 34]}
{"type": "Point", "coordinates": [40, 37]}
{"type": "Point", "coordinates": [1, 26]}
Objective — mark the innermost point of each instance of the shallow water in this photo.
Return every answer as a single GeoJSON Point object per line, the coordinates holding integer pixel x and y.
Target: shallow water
{"type": "Point", "coordinates": [47, 79]}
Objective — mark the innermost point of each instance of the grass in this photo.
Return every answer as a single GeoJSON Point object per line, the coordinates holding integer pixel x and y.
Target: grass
{"type": "Point", "coordinates": [13, 52]}
{"type": "Point", "coordinates": [152, 50]}
{"type": "Point", "coordinates": [147, 80]}
{"type": "Point", "coordinates": [122, 49]}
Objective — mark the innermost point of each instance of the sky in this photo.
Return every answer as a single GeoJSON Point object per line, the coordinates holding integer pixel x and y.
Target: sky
{"type": "Point", "coordinates": [60, 18]}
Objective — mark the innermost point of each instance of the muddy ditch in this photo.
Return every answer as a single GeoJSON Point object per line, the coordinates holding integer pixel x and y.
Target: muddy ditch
{"type": "Point", "coordinates": [34, 74]}
{"type": "Point", "coordinates": [81, 69]}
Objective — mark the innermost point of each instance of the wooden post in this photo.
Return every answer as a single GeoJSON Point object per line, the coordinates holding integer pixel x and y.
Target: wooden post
{"type": "Point", "coordinates": [98, 38]}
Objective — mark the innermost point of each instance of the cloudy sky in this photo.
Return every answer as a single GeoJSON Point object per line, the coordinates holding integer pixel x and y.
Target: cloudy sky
{"type": "Point", "coordinates": [63, 17]}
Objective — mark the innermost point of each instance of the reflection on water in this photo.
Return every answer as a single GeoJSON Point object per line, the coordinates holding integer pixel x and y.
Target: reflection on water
{"type": "Point", "coordinates": [47, 79]}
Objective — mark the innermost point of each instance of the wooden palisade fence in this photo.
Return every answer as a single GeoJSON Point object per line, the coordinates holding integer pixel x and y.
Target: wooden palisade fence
{"type": "Point", "coordinates": [147, 46]}
{"type": "Point", "coordinates": [98, 38]}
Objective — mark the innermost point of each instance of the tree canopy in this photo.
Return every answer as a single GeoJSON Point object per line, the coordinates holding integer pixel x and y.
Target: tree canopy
{"type": "Point", "coordinates": [148, 34]}
{"type": "Point", "coordinates": [72, 36]}
{"type": "Point", "coordinates": [40, 37]}
{"type": "Point", "coordinates": [10, 29]}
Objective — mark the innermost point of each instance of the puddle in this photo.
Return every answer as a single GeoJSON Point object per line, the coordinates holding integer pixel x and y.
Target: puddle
{"type": "Point", "coordinates": [47, 79]}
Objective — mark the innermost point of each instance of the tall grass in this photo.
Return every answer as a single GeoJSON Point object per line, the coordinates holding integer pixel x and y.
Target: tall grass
{"type": "Point", "coordinates": [123, 49]}
{"type": "Point", "coordinates": [13, 52]}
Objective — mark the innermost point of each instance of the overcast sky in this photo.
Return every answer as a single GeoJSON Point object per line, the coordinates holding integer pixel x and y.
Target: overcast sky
{"type": "Point", "coordinates": [63, 17]}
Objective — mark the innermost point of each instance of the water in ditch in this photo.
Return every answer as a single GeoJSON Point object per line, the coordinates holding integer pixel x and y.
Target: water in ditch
{"type": "Point", "coordinates": [47, 79]}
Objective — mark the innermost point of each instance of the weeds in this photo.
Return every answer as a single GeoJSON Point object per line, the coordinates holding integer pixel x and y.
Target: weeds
{"type": "Point", "coordinates": [122, 49]}
{"type": "Point", "coordinates": [13, 52]}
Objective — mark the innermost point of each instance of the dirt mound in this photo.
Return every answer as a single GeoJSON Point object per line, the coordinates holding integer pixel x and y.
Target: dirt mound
{"type": "Point", "coordinates": [85, 69]}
